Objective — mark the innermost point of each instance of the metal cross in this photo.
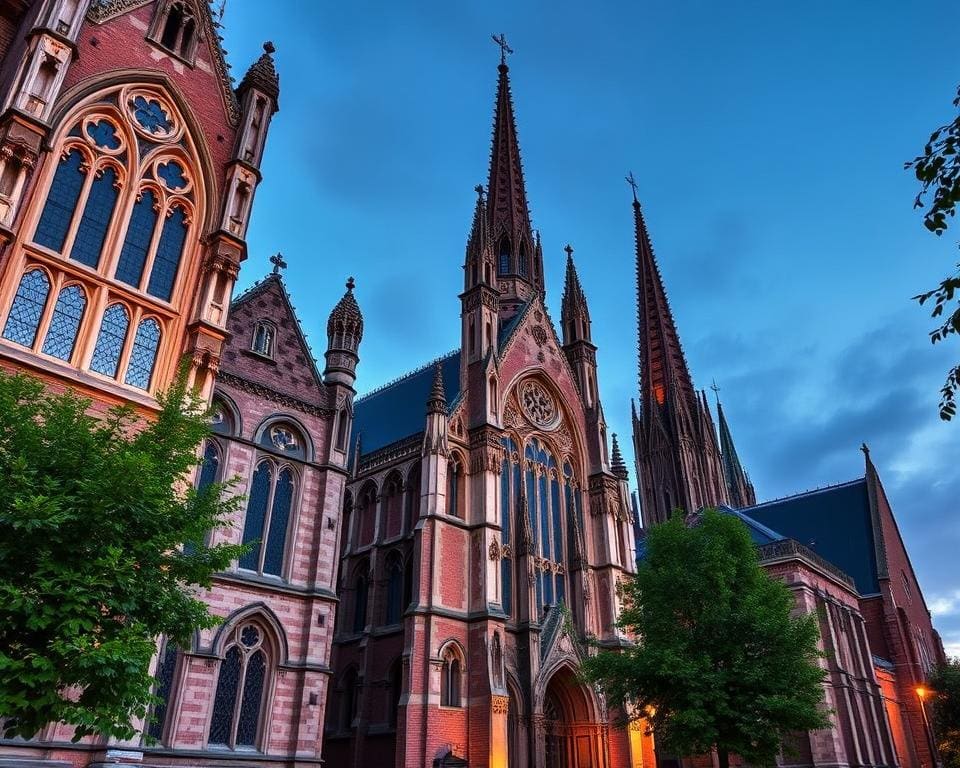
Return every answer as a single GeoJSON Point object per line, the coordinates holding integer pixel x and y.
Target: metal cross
{"type": "Point", "coordinates": [633, 184]}
{"type": "Point", "coordinates": [505, 49]}
{"type": "Point", "coordinates": [278, 263]}
{"type": "Point", "coordinates": [716, 390]}
{"type": "Point", "coordinates": [569, 250]}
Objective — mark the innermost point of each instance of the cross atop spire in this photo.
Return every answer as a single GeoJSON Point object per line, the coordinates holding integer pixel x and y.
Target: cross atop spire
{"type": "Point", "coordinates": [278, 262]}
{"type": "Point", "coordinates": [633, 185]}
{"type": "Point", "coordinates": [716, 390]}
{"type": "Point", "coordinates": [505, 50]}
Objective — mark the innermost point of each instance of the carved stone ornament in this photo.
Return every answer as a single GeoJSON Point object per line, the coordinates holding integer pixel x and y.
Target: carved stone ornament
{"type": "Point", "coordinates": [539, 335]}
{"type": "Point", "coordinates": [494, 550]}
{"type": "Point", "coordinates": [500, 704]}
{"type": "Point", "coordinates": [538, 404]}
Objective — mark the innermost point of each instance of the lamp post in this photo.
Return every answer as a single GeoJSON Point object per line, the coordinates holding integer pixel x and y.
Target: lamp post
{"type": "Point", "coordinates": [922, 694]}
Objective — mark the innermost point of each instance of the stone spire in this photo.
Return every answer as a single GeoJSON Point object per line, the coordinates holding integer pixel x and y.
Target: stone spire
{"type": "Point", "coordinates": [574, 312]}
{"type": "Point", "coordinates": [263, 76]}
{"type": "Point", "coordinates": [344, 333]}
{"type": "Point", "coordinates": [617, 465]}
{"type": "Point", "coordinates": [437, 402]}
{"type": "Point", "coordinates": [739, 488]}
{"type": "Point", "coordinates": [519, 260]}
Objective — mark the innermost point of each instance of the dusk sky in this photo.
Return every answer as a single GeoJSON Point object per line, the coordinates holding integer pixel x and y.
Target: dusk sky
{"type": "Point", "coordinates": [768, 141]}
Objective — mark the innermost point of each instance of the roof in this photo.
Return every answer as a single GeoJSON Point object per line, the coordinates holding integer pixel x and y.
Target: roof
{"type": "Point", "coordinates": [398, 409]}
{"type": "Point", "coordinates": [760, 533]}
{"type": "Point", "coordinates": [834, 522]}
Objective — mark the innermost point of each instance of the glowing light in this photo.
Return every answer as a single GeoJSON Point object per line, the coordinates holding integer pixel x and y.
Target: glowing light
{"type": "Point", "coordinates": [922, 692]}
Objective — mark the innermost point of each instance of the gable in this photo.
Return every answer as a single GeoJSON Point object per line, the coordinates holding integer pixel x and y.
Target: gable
{"type": "Point", "coordinates": [291, 368]}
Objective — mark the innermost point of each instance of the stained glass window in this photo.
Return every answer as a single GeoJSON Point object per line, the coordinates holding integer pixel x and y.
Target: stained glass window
{"type": "Point", "coordinates": [104, 134]}
{"type": "Point", "coordinates": [151, 115]}
{"type": "Point", "coordinates": [210, 466]}
{"type": "Point", "coordinates": [221, 724]}
{"type": "Point", "coordinates": [28, 304]}
{"type": "Point", "coordinates": [67, 314]}
{"type": "Point", "coordinates": [144, 354]}
{"type": "Point", "coordinates": [171, 173]}
{"type": "Point", "coordinates": [163, 687]}
{"type": "Point", "coordinates": [279, 518]}
{"type": "Point", "coordinates": [61, 202]}
{"type": "Point", "coordinates": [238, 702]}
{"type": "Point", "coordinates": [140, 228]}
{"type": "Point", "coordinates": [252, 698]}
{"type": "Point", "coordinates": [92, 230]}
{"type": "Point", "coordinates": [169, 251]}
{"type": "Point", "coordinates": [256, 514]}
{"type": "Point", "coordinates": [113, 331]}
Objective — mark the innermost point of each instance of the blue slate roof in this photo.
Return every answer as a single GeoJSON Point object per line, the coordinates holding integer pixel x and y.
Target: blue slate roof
{"type": "Point", "coordinates": [834, 522]}
{"type": "Point", "coordinates": [760, 533]}
{"type": "Point", "coordinates": [399, 409]}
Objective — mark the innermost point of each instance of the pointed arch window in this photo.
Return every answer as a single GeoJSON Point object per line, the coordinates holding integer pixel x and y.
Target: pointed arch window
{"type": "Point", "coordinates": [263, 334]}
{"type": "Point", "coordinates": [522, 260]}
{"type": "Point", "coordinates": [509, 491]}
{"type": "Point", "coordinates": [348, 700]}
{"type": "Point", "coordinates": [172, 239]}
{"type": "Point", "coordinates": [176, 30]}
{"type": "Point", "coordinates": [61, 336]}
{"type": "Point", "coordinates": [455, 488]}
{"type": "Point", "coordinates": [268, 517]}
{"type": "Point", "coordinates": [92, 231]}
{"type": "Point", "coordinates": [28, 305]}
{"type": "Point", "coordinates": [136, 244]}
{"type": "Point", "coordinates": [451, 672]}
{"type": "Point", "coordinates": [61, 201]}
{"type": "Point", "coordinates": [360, 601]}
{"type": "Point", "coordinates": [241, 686]}
{"type": "Point", "coordinates": [143, 356]}
{"type": "Point", "coordinates": [503, 258]}
{"type": "Point", "coordinates": [394, 590]}
{"type": "Point", "coordinates": [113, 332]}
{"type": "Point", "coordinates": [163, 684]}
{"type": "Point", "coordinates": [210, 466]}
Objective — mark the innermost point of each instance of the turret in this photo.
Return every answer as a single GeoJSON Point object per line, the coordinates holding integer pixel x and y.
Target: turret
{"type": "Point", "coordinates": [435, 434]}
{"type": "Point", "coordinates": [344, 333]}
{"type": "Point", "coordinates": [480, 300]}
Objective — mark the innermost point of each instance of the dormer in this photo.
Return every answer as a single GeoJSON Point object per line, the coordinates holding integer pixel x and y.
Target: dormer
{"type": "Point", "coordinates": [175, 29]}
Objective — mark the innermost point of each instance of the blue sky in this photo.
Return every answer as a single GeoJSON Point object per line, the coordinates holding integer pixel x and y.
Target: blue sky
{"type": "Point", "coordinates": [768, 141]}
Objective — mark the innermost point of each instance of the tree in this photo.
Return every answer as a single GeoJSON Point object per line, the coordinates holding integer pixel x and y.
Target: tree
{"type": "Point", "coordinates": [720, 662]}
{"type": "Point", "coordinates": [93, 512]}
{"type": "Point", "coordinates": [938, 171]}
{"type": "Point", "coordinates": [945, 683]}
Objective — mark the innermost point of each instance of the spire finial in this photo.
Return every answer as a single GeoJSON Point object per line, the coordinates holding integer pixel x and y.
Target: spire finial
{"type": "Point", "coordinates": [479, 190]}
{"type": "Point", "coordinates": [278, 262]}
{"type": "Point", "coordinates": [505, 49]}
{"type": "Point", "coordinates": [866, 450]}
{"type": "Point", "coordinates": [268, 46]}
{"type": "Point", "coordinates": [569, 250]}
{"type": "Point", "coordinates": [351, 284]}
{"type": "Point", "coordinates": [633, 186]}
{"type": "Point", "coordinates": [716, 390]}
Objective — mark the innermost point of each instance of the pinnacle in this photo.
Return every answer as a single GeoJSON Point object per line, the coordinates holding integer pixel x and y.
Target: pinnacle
{"type": "Point", "coordinates": [437, 402]}
{"type": "Point", "coordinates": [617, 464]}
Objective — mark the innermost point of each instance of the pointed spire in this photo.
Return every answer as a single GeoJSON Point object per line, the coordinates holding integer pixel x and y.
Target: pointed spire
{"type": "Point", "coordinates": [739, 487]}
{"type": "Point", "coordinates": [617, 464]}
{"type": "Point", "coordinates": [508, 213]}
{"type": "Point", "coordinates": [574, 312]}
{"type": "Point", "coordinates": [437, 402]}
{"type": "Point", "coordinates": [263, 76]}
{"type": "Point", "coordinates": [662, 365]}
{"type": "Point", "coordinates": [478, 244]}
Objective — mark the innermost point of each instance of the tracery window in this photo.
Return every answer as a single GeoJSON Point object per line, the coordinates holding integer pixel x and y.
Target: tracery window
{"type": "Point", "coordinates": [263, 339]}
{"type": "Point", "coordinates": [272, 492]}
{"type": "Point", "coordinates": [285, 438]}
{"type": "Point", "coordinates": [451, 673]}
{"type": "Point", "coordinates": [176, 29]}
{"type": "Point", "coordinates": [164, 677]}
{"type": "Point", "coordinates": [503, 260]}
{"type": "Point", "coordinates": [117, 205]}
{"type": "Point", "coordinates": [241, 687]}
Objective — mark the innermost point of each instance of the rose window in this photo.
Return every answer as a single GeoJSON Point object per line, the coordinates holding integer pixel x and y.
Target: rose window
{"type": "Point", "coordinates": [538, 404]}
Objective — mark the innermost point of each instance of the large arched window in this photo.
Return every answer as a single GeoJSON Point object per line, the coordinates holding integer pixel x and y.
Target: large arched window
{"type": "Point", "coordinates": [392, 505]}
{"type": "Point", "coordinates": [164, 678]}
{"type": "Point", "coordinates": [367, 514]}
{"type": "Point", "coordinates": [269, 508]}
{"type": "Point", "coordinates": [119, 200]}
{"type": "Point", "coordinates": [348, 699]}
{"type": "Point", "coordinates": [394, 573]}
{"type": "Point", "coordinates": [360, 587]}
{"type": "Point", "coordinates": [510, 490]}
{"type": "Point", "coordinates": [451, 674]}
{"type": "Point", "coordinates": [241, 687]}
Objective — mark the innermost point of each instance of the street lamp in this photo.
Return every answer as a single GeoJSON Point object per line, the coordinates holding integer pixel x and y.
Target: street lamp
{"type": "Point", "coordinates": [922, 694]}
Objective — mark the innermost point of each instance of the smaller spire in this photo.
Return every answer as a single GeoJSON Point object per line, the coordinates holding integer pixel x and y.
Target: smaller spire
{"type": "Point", "coordinates": [263, 76]}
{"type": "Point", "coordinates": [617, 464]}
{"type": "Point", "coordinates": [437, 402]}
{"type": "Point", "coordinates": [739, 488]}
{"type": "Point", "coordinates": [345, 325]}
{"type": "Point", "coordinates": [574, 312]}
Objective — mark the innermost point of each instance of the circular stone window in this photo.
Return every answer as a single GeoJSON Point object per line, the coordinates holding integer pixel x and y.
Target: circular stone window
{"type": "Point", "coordinates": [538, 404]}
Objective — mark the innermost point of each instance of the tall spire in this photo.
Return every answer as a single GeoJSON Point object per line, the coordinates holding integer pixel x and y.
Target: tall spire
{"type": "Point", "coordinates": [739, 487]}
{"type": "Point", "coordinates": [519, 264]}
{"type": "Point", "coordinates": [662, 365]}
{"type": "Point", "coordinates": [574, 312]}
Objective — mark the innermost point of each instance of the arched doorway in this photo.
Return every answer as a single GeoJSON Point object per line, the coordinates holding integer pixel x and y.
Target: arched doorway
{"type": "Point", "coordinates": [572, 736]}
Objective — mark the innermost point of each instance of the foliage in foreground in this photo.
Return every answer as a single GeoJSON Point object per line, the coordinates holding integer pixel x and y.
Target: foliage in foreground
{"type": "Point", "coordinates": [945, 682]}
{"type": "Point", "coordinates": [938, 171]}
{"type": "Point", "coordinates": [720, 661]}
{"type": "Point", "coordinates": [92, 515]}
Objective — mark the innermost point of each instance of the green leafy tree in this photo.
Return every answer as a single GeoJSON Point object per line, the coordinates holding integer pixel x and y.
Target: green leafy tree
{"type": "Point", "coordinates": [92, 515]}
{"type": "Point", "coordinates": [720, 663]}
{"type": "Point", "coordinates": [938, 171]}
{"type": "Point", "coordinates": [945, 682]}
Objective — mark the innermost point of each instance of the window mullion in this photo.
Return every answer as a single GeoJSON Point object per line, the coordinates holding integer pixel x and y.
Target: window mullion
{"type": "Point", "coordinates": [127, 350]}
{"type": "Point", "coordinates": [44, 325]}
{"type": "Point", "coordinates": [267, 516]}
{"type": "Point", "coordinates": [92, 319]}
{"type": "Point", "coordinates": [89, 176]}
{"type": "Point", "coordinates": [238, 700]}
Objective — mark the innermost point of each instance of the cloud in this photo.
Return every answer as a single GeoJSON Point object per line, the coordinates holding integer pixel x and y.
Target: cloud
{"type": "Point", "coordinates": [944, 604]}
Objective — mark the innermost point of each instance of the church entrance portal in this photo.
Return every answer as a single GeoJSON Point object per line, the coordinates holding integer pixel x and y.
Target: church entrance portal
{"type": "Point", "coordinates": [572, 737]}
